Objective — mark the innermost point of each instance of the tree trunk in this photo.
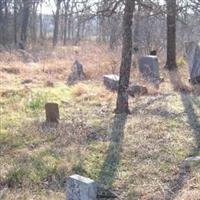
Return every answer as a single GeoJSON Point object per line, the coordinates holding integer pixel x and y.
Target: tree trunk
{"type": "Point", "coordinates": [65, 21]}
{"type": "Point", "coordinates": [69, 28]}
{"type": "Point", "coordinates": [77, 40]}
{"type": "Point", "coordinates": [41, 23]}
{"type": "Point", "coordinates": [15, 22]}
{"type": "Point", "coordinates": [136, 31]}
{"type": "Point", "coordinates": [171, 35]}
{"type": "Point", "coordinates": [113, 32]}
{"type": "Point", "coordinates": [5, 31]}
{"type": "Point", "coordinates": [1, 21]}
{"type": "Point", "coordinates": [122, 99]}
{"type": "Point", "coordinates": [56, 23]}
{"type": "Point", "coordinates": [34, 22]}
{"type": "Point", "coordinates": [25, 19]}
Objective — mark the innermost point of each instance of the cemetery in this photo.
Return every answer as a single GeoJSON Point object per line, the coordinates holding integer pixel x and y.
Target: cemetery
{"type": "Point", "coordinates": [99, 100]}
{"type": "Point", "coordinates": [50, 134]}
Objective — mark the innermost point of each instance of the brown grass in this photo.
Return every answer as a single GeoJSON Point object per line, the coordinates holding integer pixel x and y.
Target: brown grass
{"type": "Point", "coordinates": [155, 140]}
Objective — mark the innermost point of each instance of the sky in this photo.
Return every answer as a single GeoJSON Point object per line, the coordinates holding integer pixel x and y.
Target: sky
{"type": "Point", "coordinates": [49, 5]}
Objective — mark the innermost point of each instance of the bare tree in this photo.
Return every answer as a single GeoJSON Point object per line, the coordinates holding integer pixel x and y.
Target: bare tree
{"type": "Point", "coordinates": [66, 19]}
{"type": "Point", "coordinates": [122, 98]}
{"type": "Point", "coordinates": [171, 35]}
{"type": "Point", "coordinates": [25, 20]}
{"type": "Point", "coordinates": [56, 22]}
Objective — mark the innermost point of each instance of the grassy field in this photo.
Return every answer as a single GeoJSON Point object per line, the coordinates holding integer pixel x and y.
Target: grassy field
{"type": "Point", "coordinates": [140, 156]}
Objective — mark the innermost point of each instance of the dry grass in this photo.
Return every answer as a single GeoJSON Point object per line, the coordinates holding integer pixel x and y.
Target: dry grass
{"type": "Point", "coordinates": [140, 156]}
{"type": "Point", "coordinates": [79, 89]}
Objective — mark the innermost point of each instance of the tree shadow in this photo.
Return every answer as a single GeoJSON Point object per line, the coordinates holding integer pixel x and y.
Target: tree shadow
{"type": "Point", "coordinates": [184, 171]}
{"type": "Point", "coordinates": [112, 160]}
{"type": "Point", "coordinates": [196, 101]}
{"type": "Point", "coordinates": [149, 102]}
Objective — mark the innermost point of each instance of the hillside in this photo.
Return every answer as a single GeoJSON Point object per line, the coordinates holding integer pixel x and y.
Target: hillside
{"type": "Point", "coordinates": [139, 156]}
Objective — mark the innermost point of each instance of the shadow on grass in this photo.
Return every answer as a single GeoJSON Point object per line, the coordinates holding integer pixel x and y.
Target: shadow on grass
{"type": "Point", "coordinates": [149, 102]}
{"type": "Point", "coordinates": [184, 172]}
{"type": "Point", "coordinates": [111, 163]}
{"type": "Point", "coordinates": [196, 101]}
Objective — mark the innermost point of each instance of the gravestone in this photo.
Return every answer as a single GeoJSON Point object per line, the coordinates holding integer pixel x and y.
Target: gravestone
{"type": "Point", "coordinates": [111, 81]}
{"type": "Point", "coordinates": [149, 68]}
{"type": "Point", "coordinates": [52, 112]}
{"type": "Point", "coordinates": [193, 57]}
{"type": "Point", "coordinates": [80, 188]}
{"type": "Point", "coordinates": [77, 73]}
{"type": "Point", "coordinates": [137, 90]}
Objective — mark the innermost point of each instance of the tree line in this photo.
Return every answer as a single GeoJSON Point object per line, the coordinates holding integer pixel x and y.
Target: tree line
{"type": "Point", "coordinates": [24, 22]}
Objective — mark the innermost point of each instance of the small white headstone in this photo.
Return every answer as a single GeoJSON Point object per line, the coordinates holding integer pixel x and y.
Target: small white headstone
{"type": "Point", "coordinates": [80, 188]}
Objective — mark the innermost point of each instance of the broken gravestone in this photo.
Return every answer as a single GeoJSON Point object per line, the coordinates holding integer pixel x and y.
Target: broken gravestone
{"type": "Point", "coordinates": [111, 81]}
{"type": "Point", "coordinates": [80, 188]}
{"type": "Point", "coordinates": [52, 112]}
{"type": "Point", "coordinates": [77, 73]}
{"type": "Point", "coordinates": [149, 68]}
{"type": "Point", "coordinates": [193, 57]}
{"type": "Point", "coordinates": [137, 90]}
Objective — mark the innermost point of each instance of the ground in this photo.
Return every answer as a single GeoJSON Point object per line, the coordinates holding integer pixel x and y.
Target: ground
{"type": "Point", "coordinates": [139, 156]}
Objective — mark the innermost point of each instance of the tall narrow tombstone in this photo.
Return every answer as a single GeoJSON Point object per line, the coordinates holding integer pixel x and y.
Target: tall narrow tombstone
{"type": "Point", "coordinates": [149, 68]}
{"type": "Point", "coordinates": [193, 57]}
{"type": "Point", "coordinates": [52, 112]}
{"type": "Point", "coordinates": [80, 188]}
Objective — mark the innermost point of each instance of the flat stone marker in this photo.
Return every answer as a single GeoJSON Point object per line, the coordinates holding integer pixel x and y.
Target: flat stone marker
{"type": "Point", "coordinates": [52, 112]}
{"type": "Point", "coordinates": [149, 68]}
{"type": "Point", "coordinates": [192, 161]}
{"type": "Point", "coordinates": [193, 57]}
{"type": "Point", "coordinates": [80, 188]}
{"type": "Point", "coordinates": [111, 81]}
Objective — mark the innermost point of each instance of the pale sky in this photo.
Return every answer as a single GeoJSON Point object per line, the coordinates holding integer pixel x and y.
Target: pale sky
{"type": "Point", "coordinates": [49, 5]}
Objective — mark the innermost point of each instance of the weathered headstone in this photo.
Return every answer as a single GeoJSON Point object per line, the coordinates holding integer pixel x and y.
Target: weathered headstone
{"type": "Point", "coordinates": [80, 188]}
{"type": "Point", "coordinates": [52, 112]}
{"type": "Point", "coordinates": [111, 81]}
{"type": "Point", "coordinates": [77, 73]}
{"type": "Point", "coordinates": [193, 57]}
{"type": "Point", "coordinates": [149, 68]}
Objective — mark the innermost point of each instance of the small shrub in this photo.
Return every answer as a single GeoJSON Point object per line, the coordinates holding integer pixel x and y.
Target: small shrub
{"type": "Point", "coordinates": [37, 101]}
{"type": "Point", "coordinates": [181, 61]}
{"type": "Point", "coordinates": [15, 177]}
{"type": "Point", "coordinates": [79, 90]}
